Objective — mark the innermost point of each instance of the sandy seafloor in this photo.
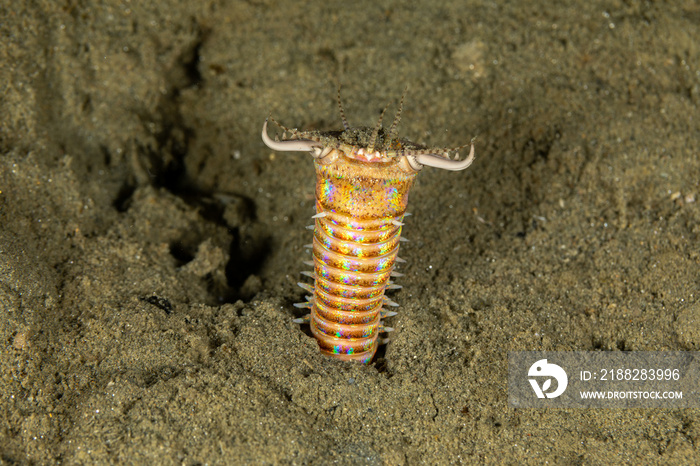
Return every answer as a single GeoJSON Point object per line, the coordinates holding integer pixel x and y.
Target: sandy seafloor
{"type": "Point", "coordinates": [151, 244]}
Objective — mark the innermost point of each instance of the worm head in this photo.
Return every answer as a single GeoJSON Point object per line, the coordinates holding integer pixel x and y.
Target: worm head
{"type": "Point", "coordinates": [368, 145]}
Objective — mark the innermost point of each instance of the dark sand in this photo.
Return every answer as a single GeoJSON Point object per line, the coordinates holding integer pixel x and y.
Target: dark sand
{"type": "Point", "coordinates": [150, 244]}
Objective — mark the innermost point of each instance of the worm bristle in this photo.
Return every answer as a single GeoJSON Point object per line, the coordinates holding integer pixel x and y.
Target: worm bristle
{"type": "Point", "coordinates": [306, 287]}
{"type": "Point", "coordinates": [389, 302]}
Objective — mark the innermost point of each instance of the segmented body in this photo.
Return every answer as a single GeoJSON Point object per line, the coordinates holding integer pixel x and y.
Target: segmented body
{"type": "Point", "coordinates": [355, 248]}
{"type": "Point", "coordinates": [363, 176]}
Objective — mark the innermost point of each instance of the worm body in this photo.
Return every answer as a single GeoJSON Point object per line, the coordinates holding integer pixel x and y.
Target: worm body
{"type": "Point", "coordinates": [355, 247]}
{"type": "Point", "coordinates": [363, 176]}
